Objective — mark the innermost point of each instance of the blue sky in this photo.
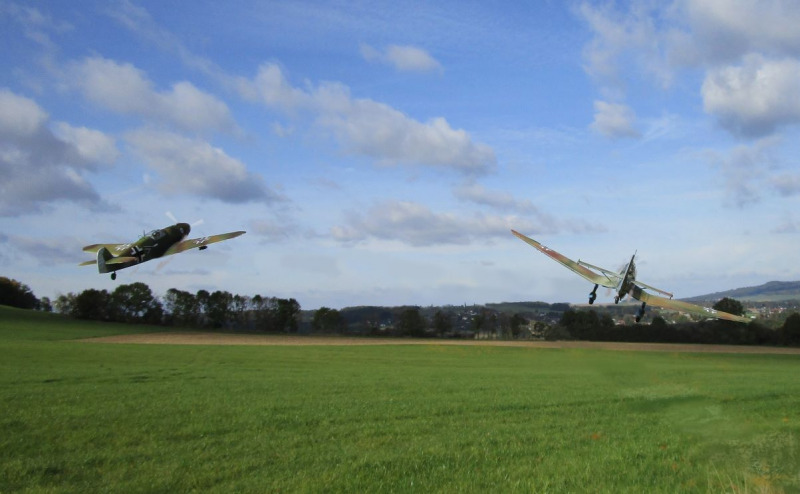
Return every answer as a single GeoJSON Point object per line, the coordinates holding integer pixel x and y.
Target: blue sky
{"type": "Point", "coordinates": [380, 152]}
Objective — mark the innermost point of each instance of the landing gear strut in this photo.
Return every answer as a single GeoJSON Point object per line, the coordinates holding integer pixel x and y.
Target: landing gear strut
{"type": "Point", "coordinates": [593, 295]}
{"type": "Point", "coordinates": [640, 314]}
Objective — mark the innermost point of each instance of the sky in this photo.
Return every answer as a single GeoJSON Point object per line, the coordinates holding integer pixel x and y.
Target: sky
{"type": "Point", "coordinates": [379, 153]}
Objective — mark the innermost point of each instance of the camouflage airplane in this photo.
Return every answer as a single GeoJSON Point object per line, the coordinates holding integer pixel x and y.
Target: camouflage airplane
{"type": "Point", "coordinates": [158, 243]}
{"type": "Point", "coordinates": [625, 283]}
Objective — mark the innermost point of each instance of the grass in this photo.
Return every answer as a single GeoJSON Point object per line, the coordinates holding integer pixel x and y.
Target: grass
{"type": "Point", "coordinates": [78, 417]}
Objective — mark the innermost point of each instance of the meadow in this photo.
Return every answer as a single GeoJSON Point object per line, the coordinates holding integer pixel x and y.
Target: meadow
{"type": "Point", "coordinates": [80, 417]}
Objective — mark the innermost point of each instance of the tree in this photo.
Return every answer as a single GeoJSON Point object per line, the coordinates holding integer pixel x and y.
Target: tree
{"type": "Point", "coordinates": [65, 304]}
{"type": "Point", "coordinates": [182, 307]}
{"type": "Point", "coordinates": [442, 322]}
{"type": "Point", "coordinates": [135, 303]}
{"type": "Point", "coordinates": [731, 306]}
{"type": "Point", "coordinates": [286, 315]}
{"type": "Point", "coordinates": [263, 312]}
{"type": "Point", "coordinates": [16, 294]}
{"type": "Point", "coordinates": [411, 323]}
{"type": "Point", "coordinates": [202, 298]}
{"type": "Point", "coordinates": [516, 323]}
{"type": "Point", "coordinates": [218, 308]}
{"type": "Point", "coordinates": [791, 329]}
{"type": "Point", "coordinates": [92, 304]}
{"type": "Point", "coordinates": [328, 320]}
{"type": "Point", "coordinates": [239, 307]}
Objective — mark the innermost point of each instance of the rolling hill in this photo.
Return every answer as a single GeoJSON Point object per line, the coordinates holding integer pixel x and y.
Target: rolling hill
{"type": "Point", "coordinates": [773, 291]}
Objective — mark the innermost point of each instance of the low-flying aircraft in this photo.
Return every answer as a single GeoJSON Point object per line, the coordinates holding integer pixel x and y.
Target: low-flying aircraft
{"type": "Point", "coordinates": [158, 243]}
{"type": "Point", "coordinates": [624, 283]}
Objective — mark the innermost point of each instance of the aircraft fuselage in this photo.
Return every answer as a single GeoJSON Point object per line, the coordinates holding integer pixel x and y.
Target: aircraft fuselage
{"type": "Point", "coordinates": [150, 246]}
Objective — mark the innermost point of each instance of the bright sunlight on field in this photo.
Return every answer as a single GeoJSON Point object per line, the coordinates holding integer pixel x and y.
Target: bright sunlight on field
{"type": "Point", "coordinates": [124, 417]}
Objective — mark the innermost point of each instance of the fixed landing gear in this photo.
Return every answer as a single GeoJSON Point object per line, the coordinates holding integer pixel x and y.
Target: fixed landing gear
{"type": "Point", "coordinates": [203, 247]}
{"type": "Point", "coordinates": [593, 295]}
{"type": "Point", "coordinates": [640, 314]}
{"type": "Point", "coordinates": [113, 276]}
{"type": "Point", "coordinates": [616, 299]}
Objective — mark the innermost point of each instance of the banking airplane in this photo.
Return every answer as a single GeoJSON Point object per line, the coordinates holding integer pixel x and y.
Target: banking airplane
{"type": "Point", "coordinates": [158, 243]}
{"type": "Point", "coordinates": [625, 283]}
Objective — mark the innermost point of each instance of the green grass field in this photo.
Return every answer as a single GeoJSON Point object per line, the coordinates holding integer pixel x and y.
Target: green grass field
{"type": "Point", "coordinates": [82, 417]}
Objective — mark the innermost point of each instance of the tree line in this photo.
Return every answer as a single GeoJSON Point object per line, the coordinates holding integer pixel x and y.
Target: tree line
{"type": "Point", "coordinates": [221, 310]}
{"type": "Point", "coordinates": [588, 325]}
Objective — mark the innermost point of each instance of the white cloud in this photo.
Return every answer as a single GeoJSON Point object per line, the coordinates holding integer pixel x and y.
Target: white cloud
{"type": "Point", "coordinates": [195, 167]}
{"type": "Point", "coordinates": [403, 58]}
{"type": "Point", "coordinates": [416, 225]}
{"type": "Point", "coordinates": [787, 184]}
{"type": "Point", "coordinates": [39, 167]}
{"type": "Point", "coordinates": [93, 145]}
{"type": "Point", "coordinates": [37, 26]}
{"type": "Point", "coordinates": [744, 170]}
{"type": "Point", "coordinates": [755, 98]}
{"type": "Point", "coordinates": [123, 88]}
{"type": "Point", "coordinates": [369, 128]}
{"type": "Point", "coordinates": [623, 37]}
{"type": "Point", "coordinates": [502, 201]}
{"type": "Point", "coordinates": [614, 120]}
{"type": "Point", "coordinates": [749, 51]}
{"type": "Point", "coordinates": [21, 116]}
{"type": "Point", "coordinates": [274, 229]}
{"type": "Point", "coordinates": [719, 32]}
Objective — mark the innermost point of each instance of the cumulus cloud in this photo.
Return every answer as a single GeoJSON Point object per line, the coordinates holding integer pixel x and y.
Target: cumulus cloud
{"type": "Point", "coordinates": [495, 199]}
{"type": "Point", "coordinates": [40, 166]}
{"type": "Point", "coordinates": [716, 32]}
{"type": "Point", "coordinates": [614, 120]}
{"type": "Point", "coordinates": [753, 99]}
{"type": "Point", "coordinates": [787, 184]}
{"type": "Point", "coordinates": [403, 58]}
{"type": "Point", "coordinates": [416, 225]}
{"type": "Point", "coordinates": [369, 128]}
{"type": "Point", "coordinates": [123, 88]}
{"type": "Point", "coordinates": [92, 145]}
{"type": "Point", "coordinates": [195, 167]}
{"type": "Point", "coordinates": [622, 37]}
{"type": "Point", "coordinates": [749, 53]}
{"type": "Point", "coordinates": [744, 170]}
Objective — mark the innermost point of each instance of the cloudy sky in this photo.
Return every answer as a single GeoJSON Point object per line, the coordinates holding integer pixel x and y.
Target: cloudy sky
{"type": "Point", "coordinates": [380, 152]}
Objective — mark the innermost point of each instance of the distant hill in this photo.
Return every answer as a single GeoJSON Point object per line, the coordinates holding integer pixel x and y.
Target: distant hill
{"type": "Point", "coordinates": [773, 291]}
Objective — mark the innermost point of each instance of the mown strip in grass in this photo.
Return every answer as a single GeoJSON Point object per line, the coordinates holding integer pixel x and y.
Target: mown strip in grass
{"type": "Point", "coordinates": [80, 417]}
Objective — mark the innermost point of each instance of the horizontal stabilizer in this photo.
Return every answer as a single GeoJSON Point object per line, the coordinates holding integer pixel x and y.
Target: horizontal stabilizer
{"type": "Point", "coordinates": [121, 260]}
{"type": "Point", "coordinates": [88, 263]}
{"type": "Point", "coordinates": [662, 292]}
{"type": "Point", "coordinates": [111, 247]}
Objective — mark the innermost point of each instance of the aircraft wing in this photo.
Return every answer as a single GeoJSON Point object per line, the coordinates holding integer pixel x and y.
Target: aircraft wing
{"type": "Point", "coordinates": [608, 278]}
{"type": "Point", "coordinates": [194, 243]}
{"type": "Point", "coordinates": [639, 294]}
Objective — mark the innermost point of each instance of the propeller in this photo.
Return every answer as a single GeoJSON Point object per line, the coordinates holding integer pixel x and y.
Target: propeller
{"type": "Point", "coordinates": [175, 220]}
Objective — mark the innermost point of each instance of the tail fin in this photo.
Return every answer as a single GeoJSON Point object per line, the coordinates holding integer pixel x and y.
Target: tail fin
{"type": "Point", "coordinates": [103, 255]}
